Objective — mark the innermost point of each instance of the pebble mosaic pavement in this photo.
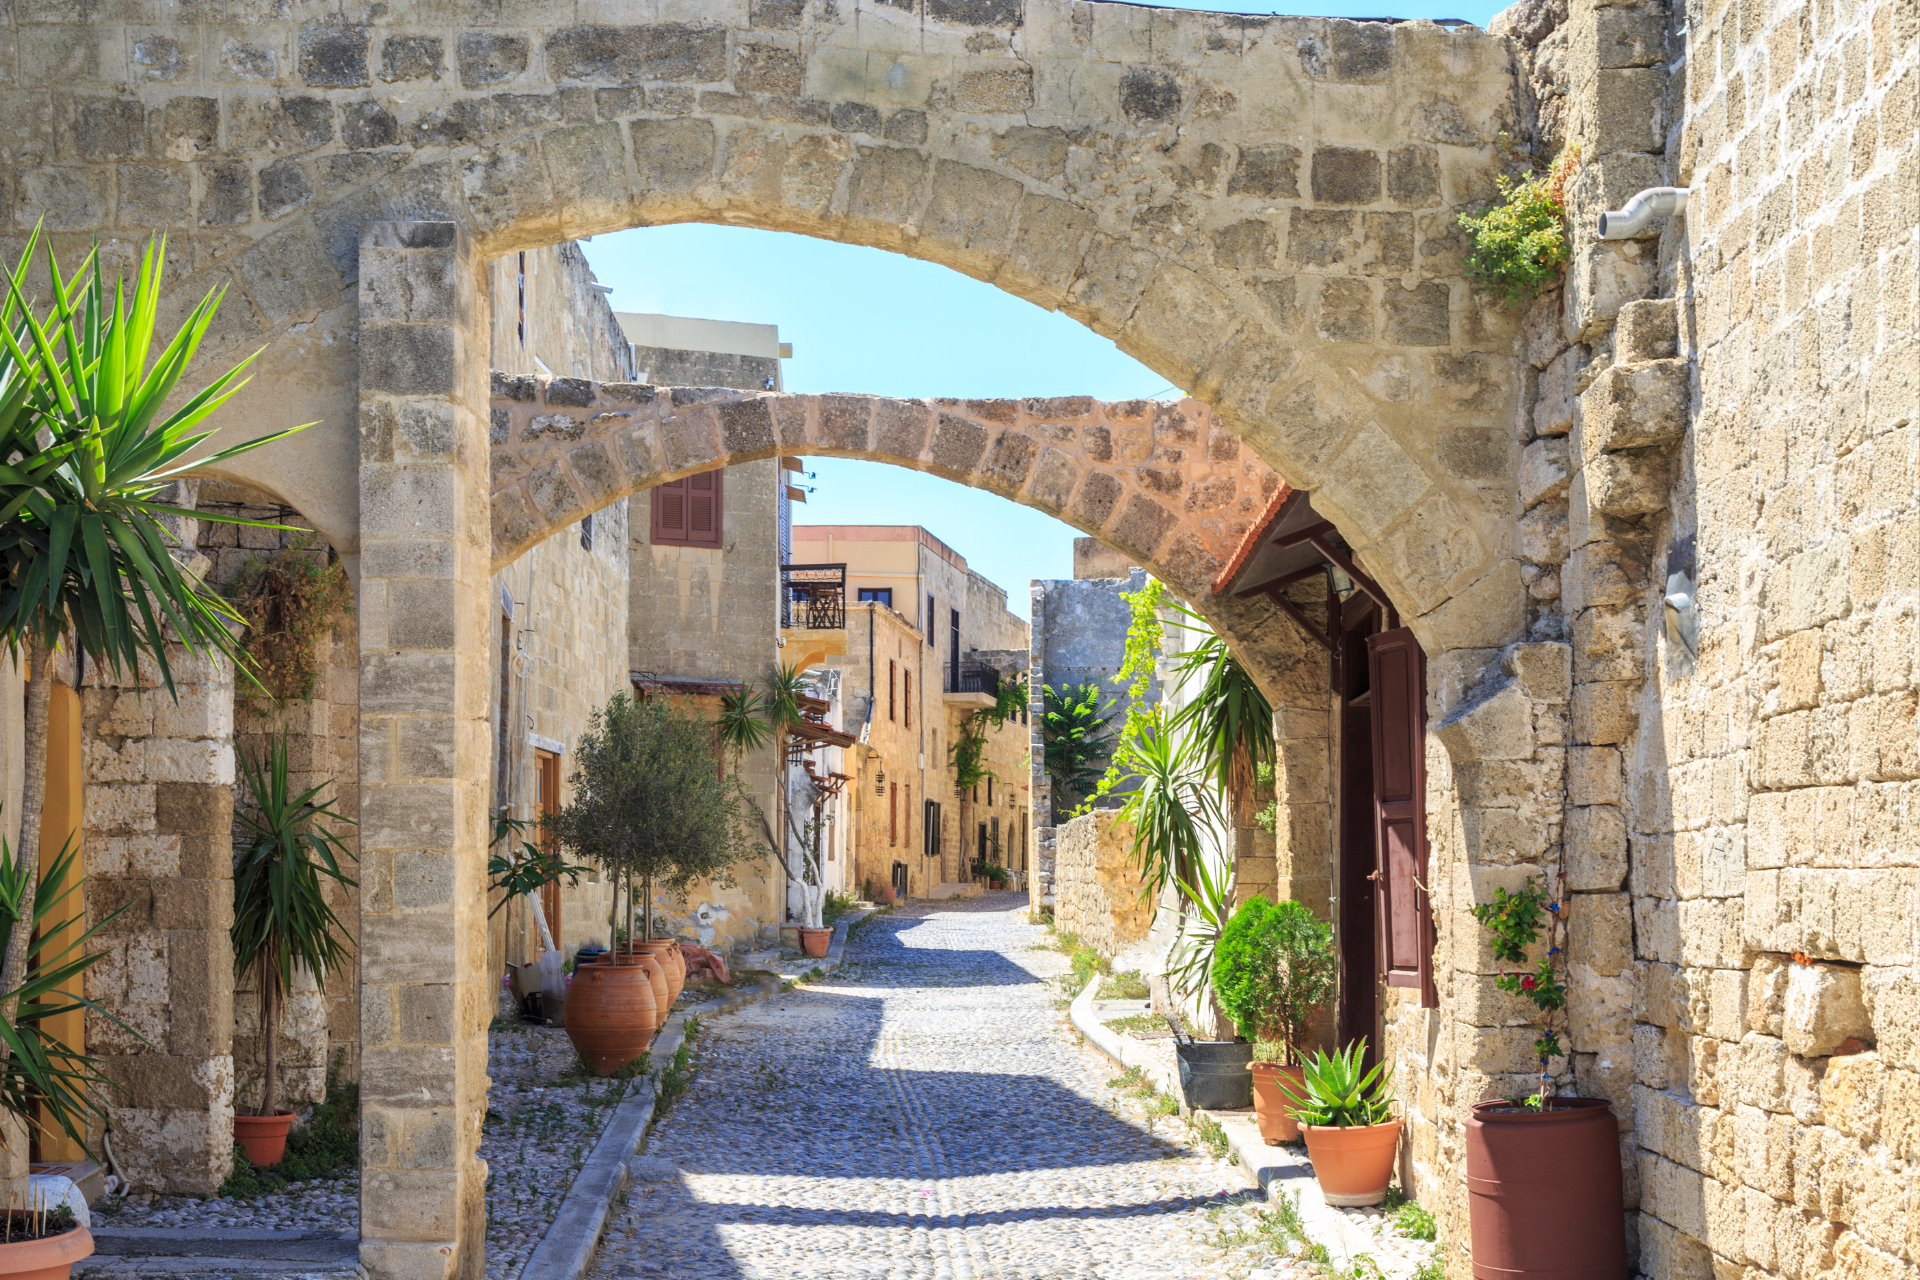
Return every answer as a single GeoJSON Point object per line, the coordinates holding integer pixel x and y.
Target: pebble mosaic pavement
{"type": "Point", "coordinates": [922, 1113]}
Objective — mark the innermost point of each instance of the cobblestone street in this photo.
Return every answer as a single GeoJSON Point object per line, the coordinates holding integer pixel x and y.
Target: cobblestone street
{"type": "Point", "coordinates": [923, 1113]}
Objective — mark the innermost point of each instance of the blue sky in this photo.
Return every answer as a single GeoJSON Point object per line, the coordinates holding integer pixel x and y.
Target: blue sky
{"type": "Point", "coordinates": [870, 321]}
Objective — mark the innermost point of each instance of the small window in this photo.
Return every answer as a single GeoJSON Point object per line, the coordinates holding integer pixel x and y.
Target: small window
{"type": "Point", "coordinates": [586, 533]}
{"type": "Point", "coordinates": [906, 698]}
{"type": "Point", "coordinates": [877, 595]}
{"type": "Point", "coordinates": [890, 677]}
{"type": "Point", "coordinates": [687, 512]}
{"type": "Point", "coordinates": [931, 615]}
{"type": "Point", "coordinates": [989, 791]}
{"type": "Point", "coordinates": [893, 813]}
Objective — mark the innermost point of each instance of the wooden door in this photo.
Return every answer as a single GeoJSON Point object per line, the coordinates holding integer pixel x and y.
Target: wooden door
{"type": "Point", "coordinates": [1397, 676]}
{"type": "Point", "coordinates": [547, 784]}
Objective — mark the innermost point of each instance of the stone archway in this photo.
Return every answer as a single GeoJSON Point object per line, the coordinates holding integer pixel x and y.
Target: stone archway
{"type": "Point", "coordinates": [1259, 208]}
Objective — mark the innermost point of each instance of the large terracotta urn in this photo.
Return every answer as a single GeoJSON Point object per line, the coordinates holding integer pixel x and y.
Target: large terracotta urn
{"type": "Point", "coordinates": [667, 952]}
{"type": "Point", "coordinates": [611, 1013]}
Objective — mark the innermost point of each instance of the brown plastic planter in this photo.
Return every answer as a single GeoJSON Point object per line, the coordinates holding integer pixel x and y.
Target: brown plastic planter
{"type": "Point", "coordinates": [1353, 1164]}
{"type": "Point", "coordinates": [1270, 1106]}
{"type": "Point", "coordinates": [1544, 1191]}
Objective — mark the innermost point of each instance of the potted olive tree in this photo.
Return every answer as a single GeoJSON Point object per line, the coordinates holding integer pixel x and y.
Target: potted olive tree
{"type": "Point", "coordinates": [650, 808]}
{"type": "Point", "coordinates": [1273, 970]}
{"type": "Point", "coordinates": [282, 922]}
{"type": "Point", "coordinates": [1543, 1171]}
{"type": "Point", "coordinates": [1345, 1113]}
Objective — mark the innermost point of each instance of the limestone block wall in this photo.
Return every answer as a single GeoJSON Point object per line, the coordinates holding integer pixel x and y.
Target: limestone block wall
{"type": "Point", "coordinates": [157, 830]}
{"type": "Point", "coordinates": [1096, 884]}
{"type": "Point", "coordinates": [543, 307]}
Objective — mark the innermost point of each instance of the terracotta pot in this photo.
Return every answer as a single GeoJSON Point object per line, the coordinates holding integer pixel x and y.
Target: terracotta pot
{"type": "Point", "coordinates": [657, 978]}
{"type": "Point", "coordinates": [672, 963]}
{"type": "Point", "coordinates": [264, 1137]}
{"type": "Point", "coordinates": [1270, 1105]}
{"type": "Point", "coordinates": [48, 1259]}
{"type": "Point", "coordinates": [1544, 1193]}
{"type": "Point", "coordinates": [1353, 1165]}
{"type": "Point", "coordinates": [610, 1014]}
{"type": "Point", "coordinates": [813, 942]}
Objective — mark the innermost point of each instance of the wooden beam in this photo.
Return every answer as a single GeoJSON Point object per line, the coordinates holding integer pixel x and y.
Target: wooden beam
{"type": "Point", "coordinates": [1308, 534]}
{"type": "Point", "coordinates": [1273, 584]}
{"type": "Point", "coordinates": [1293, 611]}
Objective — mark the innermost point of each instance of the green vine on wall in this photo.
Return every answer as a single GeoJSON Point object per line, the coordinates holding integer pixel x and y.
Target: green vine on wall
{"type": "Point", "coordinates": [968, 749]}
{"type": "Point", "coordinates": [1520, 244]}
{"type": "Point", "coordinates": [293, 598]}
{"type": "Point", "coordinates": [1145, 637]}
{"type": "Point", "coordinates": [1515, 920]}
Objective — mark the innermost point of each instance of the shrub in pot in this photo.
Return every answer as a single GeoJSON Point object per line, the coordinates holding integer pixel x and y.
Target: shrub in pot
{"type": "Point", "coordinates": [1273, 969]}
{"type": "Point", "coordinates": [1346, 1115]}
{"type": "Point", "coordinates": [1543, 1172]}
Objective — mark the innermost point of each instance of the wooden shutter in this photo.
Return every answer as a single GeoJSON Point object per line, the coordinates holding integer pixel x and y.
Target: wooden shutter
{"type": "Point", "coordinates": [906, 699]}
{"type": "Point", "coordinates": [687, 512]}
{"type": "Point", "coordinates": [893, 813]}
{"type": "Point", "coordinates": [1397, 671]}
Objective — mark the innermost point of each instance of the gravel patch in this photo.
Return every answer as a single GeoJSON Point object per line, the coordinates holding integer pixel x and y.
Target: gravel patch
{"type": "Point", "coordinates": [924, 1112]}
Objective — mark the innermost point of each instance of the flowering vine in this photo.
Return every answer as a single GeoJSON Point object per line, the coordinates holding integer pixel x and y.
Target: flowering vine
{"type": "Point", "coordinates": [1515, 920]}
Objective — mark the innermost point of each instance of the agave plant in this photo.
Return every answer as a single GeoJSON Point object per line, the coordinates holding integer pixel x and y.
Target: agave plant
{"type": "Point", "coordinates": [281, 918]}
{"type": "Point", "coordinates": [91, 452]}
{"type": "Point", "coordinates": [1335, 1091]}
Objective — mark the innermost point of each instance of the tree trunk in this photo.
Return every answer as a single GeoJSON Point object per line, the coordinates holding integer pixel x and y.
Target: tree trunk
{"type": "Point", "coordinates": [33, 797]}
{"type": "Point", "coordinates": [270, 1029]}
{"type": "Point", "coordinates": [646, 885]}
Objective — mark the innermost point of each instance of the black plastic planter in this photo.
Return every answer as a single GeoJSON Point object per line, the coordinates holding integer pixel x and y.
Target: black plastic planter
{"type": "Point", "coordinates": [1215, 1074]}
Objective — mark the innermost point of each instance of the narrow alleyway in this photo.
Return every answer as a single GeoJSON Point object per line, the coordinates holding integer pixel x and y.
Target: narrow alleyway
{"type": "Point", "coordinates": [924, 1113]}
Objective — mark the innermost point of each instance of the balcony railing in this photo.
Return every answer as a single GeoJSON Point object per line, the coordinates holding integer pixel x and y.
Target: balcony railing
{"type": "Point", "coordinates": [974, 678]}
{"type": "Point", "coordinates": [813, 597]}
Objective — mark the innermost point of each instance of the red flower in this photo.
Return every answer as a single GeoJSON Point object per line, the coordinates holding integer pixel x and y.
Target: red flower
{"type": "Point", "coordinates": [1527, 983]}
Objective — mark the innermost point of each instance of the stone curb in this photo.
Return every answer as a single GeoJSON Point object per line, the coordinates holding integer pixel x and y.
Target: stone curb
{"type": "Point", "coordinates": [1278, 1170]}
{"type": "Point", "coordinates": [566, 1251]}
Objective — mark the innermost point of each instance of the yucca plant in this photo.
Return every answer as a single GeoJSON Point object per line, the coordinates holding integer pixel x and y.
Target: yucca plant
{"type": "Point", "coordinates": [88, 453]}
{"type": "Point", "coordinates": [1229, 720]}
{"type": "Point", "coordinates": [40, 1074]}
{"type": "Point", "coordinates": [1335, 1092]}
{"type": "Point", "coordinates": [742, 726]}
{"type": "Point", "coordinates": [1170, 808]}
{"type": "Point", "coordinates": [281, 918]}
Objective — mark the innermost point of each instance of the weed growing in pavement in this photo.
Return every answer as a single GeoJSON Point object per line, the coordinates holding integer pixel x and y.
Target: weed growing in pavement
{"type": "Point", "coordinates": [1413, 1222]}
{"type": "Point", "coordinates": [1431, 1269]}
{"type": "Point", "coordinates": [1277, 1229]}
{"type": "Point", "coordinates": [1363, 1267]}
{"type": "Point", "coordinates": [675, 1079]}
{"type": "Point", "coordinates": [1208, 1133]}
{"type": "Point", "coordinates": [1394, 1198]}
{"type": "Point", "coordinates": [1134, 1081]}
{"type": "Point", "coordinates": [1124, 986]}
{"type": "Point", "coordinates": [1163, 1105]}
{"type": "Point", "coordinates": [1144, 1026]}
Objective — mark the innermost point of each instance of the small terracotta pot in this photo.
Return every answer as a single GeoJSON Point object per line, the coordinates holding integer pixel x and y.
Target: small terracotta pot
{"type": "Point", "coordinates": [610, 1014]}
{"type": "Point", "coordinates": [666, 953]}
{"type": "Point", "coordinates": [813, 942]}
{"type": "Point", "coordinates": [264, 1137]}
{"type": "Point", "coordinates": [1353, 1165]}
{"type": "Point", "coordinates": [48, 1259]}
{"type": "Point", "coordinates": [1270, 1105]}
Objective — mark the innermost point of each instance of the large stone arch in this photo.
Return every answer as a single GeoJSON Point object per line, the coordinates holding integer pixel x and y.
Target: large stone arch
{"type": "Point", "coordinates": [1259, 208]}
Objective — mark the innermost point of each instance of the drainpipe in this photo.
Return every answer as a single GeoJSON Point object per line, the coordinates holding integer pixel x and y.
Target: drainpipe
{"type": "Point", "coordinates": [1633, 217]}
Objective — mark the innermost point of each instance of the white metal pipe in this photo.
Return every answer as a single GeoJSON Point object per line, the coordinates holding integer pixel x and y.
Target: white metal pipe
{"type": "Point", "coordinates": [1632, 218]}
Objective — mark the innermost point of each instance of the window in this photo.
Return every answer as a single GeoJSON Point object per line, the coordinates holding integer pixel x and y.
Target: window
{"type": "Point", "coordinates": [586, 533]}
{"type": "Point", "coordinates": [877, 595]}
{"type": "Point", "coordinates": [893, 813]}
{"type": "Point", "coordinates": [906, 813]}
{"type": "Point", "coordinates": [989, 791]}
{"type": "Point", "coordinates": [906, 698]}
{"type": "Point", "coordinates": [687, 513]}
{"type": "Point", "coordinates": [890, 710]}
{"type": "Point", "coordinates": [931, 615]}
{"type": "Point", "coordinates": [953, 658]}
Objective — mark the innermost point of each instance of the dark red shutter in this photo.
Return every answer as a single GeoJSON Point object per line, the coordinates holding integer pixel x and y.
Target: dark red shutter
{"type": "Point", "coordinates": [1397, 677]}
{"type": "Point", "coordinates": [687, 512]}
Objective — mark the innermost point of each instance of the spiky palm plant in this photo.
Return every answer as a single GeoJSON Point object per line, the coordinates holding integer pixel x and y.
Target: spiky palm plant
{"type": "Point", "coordinates": [90, 451]}
{"type": "Point", "coordinates": [281, 918]}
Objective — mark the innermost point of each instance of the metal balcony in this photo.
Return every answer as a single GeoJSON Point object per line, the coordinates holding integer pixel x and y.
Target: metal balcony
{"type": "Point", "coordinates": [813, 597]}
{"type": "Point", "coordinates": [974, 678]}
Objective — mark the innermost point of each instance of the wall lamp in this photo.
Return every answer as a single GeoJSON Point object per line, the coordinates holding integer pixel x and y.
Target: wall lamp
{"type": "Point", "coordinates": [1631, 219]}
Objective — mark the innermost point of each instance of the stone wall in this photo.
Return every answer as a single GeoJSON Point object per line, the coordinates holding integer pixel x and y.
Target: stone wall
{"type": "Point", "coordinates": [158, 838]}
{"type": "Point", "coordinates": [544, 310]}
{"type": "Point", "coordinates": [1096, 891]}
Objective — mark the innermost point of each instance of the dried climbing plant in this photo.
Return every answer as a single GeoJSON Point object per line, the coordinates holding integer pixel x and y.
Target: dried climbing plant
{"type": "Point", "coordinates": [294, 598]}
